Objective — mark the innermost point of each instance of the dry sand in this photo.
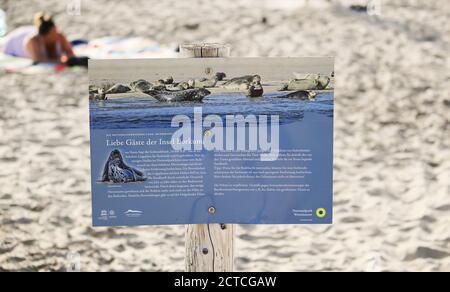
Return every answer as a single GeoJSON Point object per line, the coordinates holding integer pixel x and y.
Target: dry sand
{"type": "Point", "coordinates": [392, 155]}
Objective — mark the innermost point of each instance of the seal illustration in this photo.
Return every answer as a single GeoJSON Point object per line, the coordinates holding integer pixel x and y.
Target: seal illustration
{"type": "Point", "coordinates": [301, 94]}
{"type": "Point", "coordinates": [116, 171]}
{"type": "Point", "coordinates": [177, 96]}
{"type": "Point", "coordinates": [118, 88]}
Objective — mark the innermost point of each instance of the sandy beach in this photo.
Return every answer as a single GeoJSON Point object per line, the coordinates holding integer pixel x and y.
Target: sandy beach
{"type": "Point", "coordinates": [392, 142]}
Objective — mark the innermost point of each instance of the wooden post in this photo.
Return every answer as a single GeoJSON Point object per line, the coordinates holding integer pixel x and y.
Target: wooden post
{"type": "Point", "coordinates": [209, 247]}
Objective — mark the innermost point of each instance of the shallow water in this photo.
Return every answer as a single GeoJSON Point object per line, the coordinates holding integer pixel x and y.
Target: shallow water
{"type": "Point", "coordinates": [128, 113]}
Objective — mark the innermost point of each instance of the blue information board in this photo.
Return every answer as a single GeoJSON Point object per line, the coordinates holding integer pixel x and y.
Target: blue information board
{"type": "Point", "coordinates": [194, 141]}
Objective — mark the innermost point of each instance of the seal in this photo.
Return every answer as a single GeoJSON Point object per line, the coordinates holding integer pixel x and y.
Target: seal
{"type": "Point", "coordinates": [220, 76]}
{"type": "Point", "coordinates": [93, 88]}
{"type": "Point", "coordinates": [301, 94]}
{"type": "Point", "coordinates": [98, 94]}
{"type": "Point", "coordinates": [299, 76]}
{"type": "Point", "coordinates": [243, 79]}
{"type": "Point", "coordinates": [181, 86]}
{"type": "Point", "coordinates": [118, 88]}
{"type": "Point", "coordinates": [168, 81]}
{"type": "Point", "coordinates": [116, 171]}
{"type": "Point", "coordinates": [323, 82]}
{"type": "Point", "coordinates": [179, 96]}
{"type": "Point", "coordinates": [310, 82]}
{"type": "Point", "coordinates": [241, 83]}
{"type": "Point", "coordinates": [141, 85]}
{"type": "Point", "coordinates": [255, 88]}
{"type": "Point", "coordinates": [159, 82]}
{"type": "Point", "coordinates": [204, 83]}
{"type": "Point", "coordinates": [300, 84]}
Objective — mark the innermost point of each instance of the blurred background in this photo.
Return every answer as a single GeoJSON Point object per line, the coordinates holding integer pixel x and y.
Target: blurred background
{"type": "Point", "coordinates": [392, 129]}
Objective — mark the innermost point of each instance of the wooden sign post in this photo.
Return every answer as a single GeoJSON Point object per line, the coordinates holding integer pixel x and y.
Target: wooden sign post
{"type": "Point", "coordinates": [209, 247]}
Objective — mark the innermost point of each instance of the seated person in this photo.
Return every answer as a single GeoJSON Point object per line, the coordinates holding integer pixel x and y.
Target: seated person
{"type": "Point", "coordinates": [42, 43]}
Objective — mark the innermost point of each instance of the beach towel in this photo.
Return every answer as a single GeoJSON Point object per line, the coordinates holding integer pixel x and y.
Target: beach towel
{"type": "Point", "coordinates": [12, 64]}
{"type": "Point", "coordinates": [125, 48]}
{"type": "Point", "coordinates": [103, 48]}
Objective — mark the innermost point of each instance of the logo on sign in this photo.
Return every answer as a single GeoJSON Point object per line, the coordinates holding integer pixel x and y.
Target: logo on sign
{"type": "Point", "coordinates": [133, 213]}
{"type": "Point", "coordinates": [321, 213]}
{"type": "Point", "coordinates": [107, 215]}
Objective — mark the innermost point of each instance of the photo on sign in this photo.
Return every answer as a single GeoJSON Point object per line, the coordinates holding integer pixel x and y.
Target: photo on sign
{"type": "Point", "coordinates": [172, 137]}
{"type": "Point", "coordinates": [116, 171]}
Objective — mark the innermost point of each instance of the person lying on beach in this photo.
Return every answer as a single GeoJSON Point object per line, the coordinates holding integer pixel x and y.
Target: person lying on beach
{"type": "Point", "coordinates": [43, 43]}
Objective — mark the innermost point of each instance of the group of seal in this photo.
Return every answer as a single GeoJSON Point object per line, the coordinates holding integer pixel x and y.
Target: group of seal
{"type": "Point", "coordinates": [163, 90]}
{"type": "Point", "coordinates": [195, 90]}
{"type": "Point", "coordinates": [116, 171]}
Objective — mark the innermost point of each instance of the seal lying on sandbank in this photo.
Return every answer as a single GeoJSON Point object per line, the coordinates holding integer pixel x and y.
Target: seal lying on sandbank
{"type": "Point", "coordinates": [169, 80]}
{"type": "Point", "coordinates": [180, 86]}
{"type": "Point", "coordinates": [116, 171]}
{"type": "Point", "coordinates": [301, 94]}
{"type": "Point", "coordinates": [243, 79]}
{"type": "Point", "coordinates": [203, 83]}
{"type": "Point", "coordinates": [220, 76]}
{"type": "Point", "coordinates": [141, 85]}
{"type": "Point", "coordinates": [311, 82]}
{"type": "Point", "coordinates": [241, 83]}
{"type": "Point", "coordinates": [118, 88]}
{"type": "Point", "coordinates": [323, 82]}
{"type": "Point", "coordinates": [98, 94]}
{"type": "Point", "coordinates": [255, 88]}
{"type": "Point", "coordinates": [178, 96]}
